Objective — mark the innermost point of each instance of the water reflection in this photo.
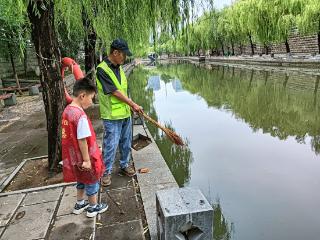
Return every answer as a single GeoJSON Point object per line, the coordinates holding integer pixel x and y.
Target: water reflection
{"type": "Point", "coordinates": [176, 85]}
{"type": "Point", "coordinates": [222, 230]}
{"type": "Point", "coordinates": [177, 158]}
{"type": "Point", "coordinates": [154, 83]}
{"type": "Point", "coordinates": [282, 106]}
{"type": "Point", "coordinates": [253, 135]}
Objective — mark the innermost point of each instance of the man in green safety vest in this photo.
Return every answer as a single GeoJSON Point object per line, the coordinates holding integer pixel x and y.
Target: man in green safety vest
{"type": "Point", "coordinates": [115, 109]}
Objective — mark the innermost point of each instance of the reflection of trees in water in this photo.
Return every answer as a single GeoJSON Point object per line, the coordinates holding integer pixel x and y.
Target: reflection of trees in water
{"type": "Point", "coordinates": [177, 158]}
{"type": "Point", "coordinates": [222, 230]}
{"type": "Point", "coordinates": [274, 103]}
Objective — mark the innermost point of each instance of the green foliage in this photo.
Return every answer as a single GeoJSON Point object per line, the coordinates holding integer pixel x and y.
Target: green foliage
{"type": "Point", "coordinates": [14, 29]}
{"type": "Point", "coordinates": [128, 19]}
{"type": "Point", "coordinates": [309, 18]}
{"type": "Point", "coordinates": [265, 22]}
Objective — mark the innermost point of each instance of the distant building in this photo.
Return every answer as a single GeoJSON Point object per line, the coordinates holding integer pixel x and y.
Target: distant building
{"type": "Point", "coordinates": [176, 84]}
{"type": "Point", "coordinates": [154, 83]}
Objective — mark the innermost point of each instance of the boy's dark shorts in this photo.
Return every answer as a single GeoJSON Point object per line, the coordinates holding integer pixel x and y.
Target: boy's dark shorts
{"type": "Point", "coordinates": [91, 189]}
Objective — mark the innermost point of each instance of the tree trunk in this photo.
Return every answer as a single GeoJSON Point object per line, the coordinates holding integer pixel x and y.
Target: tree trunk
{"type": "Point", "coordinates": [319, 37]}
{"type": "Point", "coordinates": [25, 62]}
{"type": "Point", "coordinates": [251, 44]}
{"type": "Point", "coordinates": [89, 46]}
{"type": "Point", "coordinates": [222, 47]}
{"type": "Point", "coordinates": [316, 90]}
{"type": "Point", "coordinates": [286, 81]}
{"type": "Point", "coordinates": [232, 47]}
{"type": "Point", "coordinates": [266, 78]}
{"type": "Point", "coordinates": [46, 46]}
{"type": "Point", "coordinates": [287, 46]}
{"type": "Point", "coordinates": [251, 78]}
{"type": "Point", "coordinates": [14, 69]}
{"type": "Point", "coordinates": [266, 47]}
{"type": "Point", "coordinates": [319, 41]}
{"type": "Point", "coordinates": [316, 85]}
{"type": "Point", "coordinates": [241, 51]}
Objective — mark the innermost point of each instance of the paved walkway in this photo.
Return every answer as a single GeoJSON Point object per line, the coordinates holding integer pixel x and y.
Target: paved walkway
{"type": "Point", "coordinates": [46, 213]}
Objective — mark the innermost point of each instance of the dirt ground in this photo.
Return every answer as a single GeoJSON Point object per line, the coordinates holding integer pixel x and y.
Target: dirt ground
{"type": "Point", "coordinates": [23, 133]}
{"type": "Point", "coordinates": [34, 174]}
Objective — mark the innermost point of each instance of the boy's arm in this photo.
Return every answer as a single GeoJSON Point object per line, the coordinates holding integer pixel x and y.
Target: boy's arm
{"type": "Point", "coordinates": [85, 153]}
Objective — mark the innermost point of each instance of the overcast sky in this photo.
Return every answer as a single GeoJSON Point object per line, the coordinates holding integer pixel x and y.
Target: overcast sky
{"type": "Point", "coordinates": [203, 5]}
{"type": "Point", "coordinates": [221, 3]}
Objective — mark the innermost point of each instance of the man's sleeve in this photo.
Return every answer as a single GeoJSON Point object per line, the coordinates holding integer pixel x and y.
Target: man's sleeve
{"type": "Point", "coordinates": [107, 84]}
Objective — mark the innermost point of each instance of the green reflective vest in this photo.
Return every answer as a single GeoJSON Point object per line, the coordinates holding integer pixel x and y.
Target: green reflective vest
{"type": "Point", "coordinates": [111, 107]}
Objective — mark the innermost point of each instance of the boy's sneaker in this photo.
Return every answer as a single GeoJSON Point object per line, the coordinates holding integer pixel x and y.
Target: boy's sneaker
{"type": "Point", "coordinates": [129, 171]}
{"type": "Point", "coordinates": [99, 208]}
{"type": "Point", "coordinates": [79, 208]}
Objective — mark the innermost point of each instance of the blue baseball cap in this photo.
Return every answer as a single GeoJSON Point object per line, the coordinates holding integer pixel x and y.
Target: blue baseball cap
{"type": "Point", "coordinates": [121, 45]}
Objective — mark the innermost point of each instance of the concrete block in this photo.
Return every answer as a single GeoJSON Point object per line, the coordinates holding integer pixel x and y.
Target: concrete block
{"type": "Point", "coordinates": [8, 205]}
{"type": "Point", "coordinates": [148, 195]}
{"type": "Point", "coordinates": [183, 214]}
{"type": "Point", "coordinates": [34, 90]}
{"type": "Point", "coordinates": [49, 195]}
{"type": "Point", "coordinates": [11, 100]}
{"type": "Point", "coordinates": [72, 227]}
{"type": "Point", "coordinates": [30, 222]}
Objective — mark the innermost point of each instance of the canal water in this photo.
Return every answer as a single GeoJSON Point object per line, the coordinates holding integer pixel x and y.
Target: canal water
{"type": "Point", "coordinates": [252, 144]}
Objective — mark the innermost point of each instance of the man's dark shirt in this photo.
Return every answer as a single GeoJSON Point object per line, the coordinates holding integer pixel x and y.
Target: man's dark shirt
{"type": "Point", "coordinates": [107, 84]}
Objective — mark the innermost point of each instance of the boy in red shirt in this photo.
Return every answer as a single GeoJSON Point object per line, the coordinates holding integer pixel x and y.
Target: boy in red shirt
{"type": "Point", "coordinates": [82, 158]}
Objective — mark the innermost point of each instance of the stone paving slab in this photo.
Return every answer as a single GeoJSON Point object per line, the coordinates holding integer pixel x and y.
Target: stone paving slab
{"type": "Point", "coordinates": [8, 206]}
{"type": "Point", "coordinates": [121, 231]}
{"type": "Point", "coordinates": [68, 200]}
{"type": "Point", "coordinates": [30, 222]}
{"type": "Point", "coordinates": [118, 180]}
{"type": "Point", "coordinates": [128, 203]}
{"type": "Point", "coordinates": [49, 195]}
{"type": "Point", "coordinates": [72, 227]}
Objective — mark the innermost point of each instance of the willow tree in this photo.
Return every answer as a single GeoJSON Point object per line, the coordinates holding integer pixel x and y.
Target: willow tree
{"type": "Point", "coordinates": [265, 24]}
{"type": "Point", "coordinates": [228, 28]}
{"type": "Point", "coordinates": [309, 19]}
{"type": "Point", "coordinates": [41, 16]}
{"type": "Point", "coordinates": [13, 29]}
{"type": "Point", "coordinates": [76, 17]}
{"type": "Point", "coordinates": [198, 34]}
{"type": "Point", "coordinates": [245, 11]}
{"type": "Point", "coordinates": [238, 31]}
{"type": "Point", "coordinates": [283, 16]}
